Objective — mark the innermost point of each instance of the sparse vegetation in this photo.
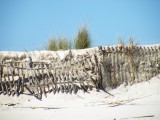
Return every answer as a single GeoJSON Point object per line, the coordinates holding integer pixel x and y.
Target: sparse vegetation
{"type": "Point", "coordinates": [52, 45]}
{"type": "Point", "coordinates": [130, 53]}
{"type": "Point", "coordinates": [58, 44]}
{"type": "Point", "coordinates": [63, 44]}
{"type": "Point", "coordinates": [83, 39]}
{"type": "Point", "coordinates": [131, 43]}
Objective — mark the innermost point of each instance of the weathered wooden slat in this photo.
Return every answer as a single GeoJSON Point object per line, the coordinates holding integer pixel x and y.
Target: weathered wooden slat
{"type": "Point", "coordinates": [49, 78]}
{"type": "Point", "coordinates": [10, 86]}
{"type": "Point", "coordinates": [6, 86]}
{"type": "Point", "coordinates": [22, 79]}
{"type": "Point", "coordinates": [44, 85]}
{"type": "Point", "coordinates": [18, 85]}
{"type": "Point", "coordinates": [67, 84]}
{"type": "Point", "coordinates": [55, 83]}
{"type": "Point", "coordinates": [122, 71]}
{"type": "Point", "coordinates": [63, 81]}
{"type": "Point", "coordinates": [29, 78]}
{"type": "Point", "coordinates": [43, 82]}
{"type": "Point", "coordinates": [2, 87]}
{"type": "Point", "coordinates": [75, 88]}
{"type": "Point", "coordinates": [14, 83]}
{"type": "Point", "coordinates": [44, 88]}
{"type": "Point", "coordinates": [39, 91]}
{"type": "Point", "coordinates": [70, 87]}
{"type": "Point", "coordinates": [32, 78]}
{"type": "Point", "coordinates": [30, 91]}
{"type": "Point", "coordinates": [82, 85]}
{"type": "Point", "coordinates": [47, 83]}
{"type": "Point", "coordinates": [62, 88]}
{"type": "Point", "coordinates": [117, 67]}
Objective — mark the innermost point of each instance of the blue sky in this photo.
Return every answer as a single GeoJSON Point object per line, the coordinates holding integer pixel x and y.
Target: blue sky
{"type": "Point", "coordinates": [28, 24]}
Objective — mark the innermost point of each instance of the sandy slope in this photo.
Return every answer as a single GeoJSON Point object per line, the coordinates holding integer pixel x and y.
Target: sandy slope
{"type": "Point", "coordinates": [139, 101]}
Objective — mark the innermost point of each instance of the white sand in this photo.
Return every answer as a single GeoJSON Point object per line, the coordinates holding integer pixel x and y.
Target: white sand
{"type": "Point", "coordinates": [43, 54]}
{"type": "Point", "coordinates": [130, 102]}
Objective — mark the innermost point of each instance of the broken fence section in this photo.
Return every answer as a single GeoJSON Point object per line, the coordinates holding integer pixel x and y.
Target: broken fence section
{"type": "Point", "coordinates": [37, 78]}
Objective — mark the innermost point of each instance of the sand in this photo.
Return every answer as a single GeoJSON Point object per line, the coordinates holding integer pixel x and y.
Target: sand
{"type": "Point", "coordinates": [139, 101]}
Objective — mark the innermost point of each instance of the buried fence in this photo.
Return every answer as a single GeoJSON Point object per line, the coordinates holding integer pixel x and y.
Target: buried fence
{"type": "Point", "coordinates": [39, 78]}
{"type": "Point", "coordinates": [101, 68]}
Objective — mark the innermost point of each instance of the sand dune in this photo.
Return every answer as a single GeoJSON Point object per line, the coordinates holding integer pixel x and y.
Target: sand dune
{"type": "Point", "coordinates": [139, 101]}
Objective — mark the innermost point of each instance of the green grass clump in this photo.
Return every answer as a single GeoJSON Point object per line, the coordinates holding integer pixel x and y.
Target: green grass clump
{"type": "Point", "coordinates": [52, 45]}
{"type": "Point", "coordinates": [63, 44]}
{"type": "Point", "coordinates": [83, 39]}
{"type": "Point", "coordinates": [58, 44]}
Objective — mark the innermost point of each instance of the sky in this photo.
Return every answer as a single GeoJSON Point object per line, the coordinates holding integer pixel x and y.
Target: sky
{"type": "Point", "coordinates": [28, 24]}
